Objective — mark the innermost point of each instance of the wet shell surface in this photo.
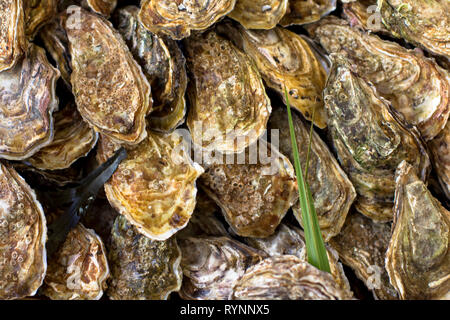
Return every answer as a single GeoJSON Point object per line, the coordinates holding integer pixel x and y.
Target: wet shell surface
{"type": "Point", "coordinates": [259, 14]}
{"type": "Point", "coordinates": [12, 33]}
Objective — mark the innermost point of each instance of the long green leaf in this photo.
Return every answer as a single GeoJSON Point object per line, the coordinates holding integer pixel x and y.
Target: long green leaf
{"type": "Point", "coordinates": [315, 246]}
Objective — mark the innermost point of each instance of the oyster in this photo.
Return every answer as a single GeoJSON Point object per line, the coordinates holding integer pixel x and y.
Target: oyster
{"type": "Point", "coordinates": [102, 7]}
{"type": "Point", "coordinates": [176, 19]}
{"type": "Point", "coordinates": [307, 11]}
{"type": "Point", "coordinates": [332, 191]}
{"type": "Point", "coordinates": [141, 268]}
{"type": "Point", "coordinates": [284, 59]}
{"type": "Point", "coordinates": [440, 151]}
{"type": "Point", "coordinates": [27, 101]}
{"type": "Point", "coordinates": [163, 64]}
{"type": "Point", "coordinates": [155, 186]}
{"type": "Point", "coordinates": [111, 92]}
{"type": "Point", "coordinates": [286, 278]}
{"type": "Point", "coordinates": [73, 140]}
{"type": "Point", "coordinates": [364, 14]}
{"type": "Point", "coordinates": [417, 87]}
{"type": "Point", "coordinates": [38, 13]}
{"type": "Point", "coordinates": [362, 245]}
{"type": "Point", "coordinates": [79, 270]}
{"type": "Point", "coordinates": [259, 14]}
{"type": "Point", "coordinates": [12, 33]}
{"type": "Point", "coordinates": [212, 265]}
{"type": "Point", "coordinates": [418, 256]}
{"type": "Point", "coordinates": [23, 232]}
{"type": "Point", "coordinates": [229, 107]}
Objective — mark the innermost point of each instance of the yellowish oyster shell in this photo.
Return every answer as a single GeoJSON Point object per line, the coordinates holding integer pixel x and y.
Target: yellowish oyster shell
{"type": "Point", "coordinates": [12, 33]}
{"type": "Point", "coordinates": [259, 14]}
{"type": "Point", "coordinates": [307, 11]}
{"type": "Point", "coordinates": [364, 14]}
{"type": "Point", "coordinates": [38, 13]}
{"type": "Point", "coordinates": [440, 152]}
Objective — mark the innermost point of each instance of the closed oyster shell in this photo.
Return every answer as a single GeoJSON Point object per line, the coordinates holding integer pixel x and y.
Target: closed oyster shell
{"type": "Point", "coordinates": [163, 64]}
{"type": "Point", "coordinates": [370, 140]}
{"type": "Point", "coordinates": [307, 11]}
{"type": "Point", "coordinates": [286, 278]}
{"type": "Point", "coordinates": [12, 33]}
{"type": "Point", "coordinates": [38, 13]}
{"type": "Point", "coordinates": [27, 101]}
{"type": "Point", "coordinates": [79, 269]}
{"type": "Point", "coordinates": [418, 256]}
{"type": "Point", "coordinates": [362, 246]}
{"type": "Point", "coordinates": [364, 14]}
{"type": "Point", "coordinates": [155, 186]}
{"type": "Point", "coordinates": [229, 107]}
{"type": "Point", "coordinates": [259, 14]}
{"type": "Point", "coordinates": [73, 139]}
{"type": "Point", "coordinates": [141, 268]}
{"type": "Point", "coordinates": [254, 194]}
{"type": "Point", "coordinates": [440, 152]}
{"type": "Point", "coordinates": [212, 265]}
{"type": "Point", "coordinates": [111, 92]}
{"type": "Point", "coordinates": [332, 191]}
{"type": "Point", "coordinates": [177, 19]}
{"type": "Point", "coordinates": [23, 232]}
{"type": "Point", "coordinates": [417, 87]}
{"type": "Point", "coordinates": [102, 7]}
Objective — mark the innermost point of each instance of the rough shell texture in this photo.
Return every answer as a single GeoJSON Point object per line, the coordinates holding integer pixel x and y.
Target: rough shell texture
{"type": "Point", "coordinates": [113, 100]}
{"type": "Point", "coordinates": [12, 33]}
{"type": "Point", "coordinates": [362, 246]}
{"type": "Point", "coordinates": [286, 278]}
{"type": "Point", "coordinates": [418, 257]}
{"type": "Point", "coordinates": [307, 11]}
{"type": "Point", "coordinates": [229, 107]}
{"type": "Point", "coordinates": [285, 58]}
{"type": "Point", "coordinates": [440, 151]}
{"type": "Point", "coordinates": [79, 269]}
{"type": "Point", "coordinates": [332, 191]}
{"type": "Point", "coordinates": [254, 188]}
{"type": "Point", "coordinates": [27, 101]}
{"type": "Point", "coordinates": [364, 14]}
{"type": "Point", "coordinates": [370, 140]}
{"type": "Point", "coordinates": [73, 139]}
{"type": "Point", "coordinates": [163, 64]}
{"type": "Point", "coordinates": [212, 265]}
{"type": "Point", "coordinates": [416, 86]}
{"type": "Point", "coordinates": [23, 233]}
{"type": "Point", "coordinates": [155, 186]}
{"type": "Point", "coordinates": [102, 7]}
{"type": "Point", "coordinates": [38, 13]}
{"type": "Point", "coordinates": [176, 19]}
{"type": "Point", "coordinates": [259, 14]}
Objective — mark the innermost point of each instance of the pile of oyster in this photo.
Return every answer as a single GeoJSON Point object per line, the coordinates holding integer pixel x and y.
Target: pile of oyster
{"type": "Point", "coordinates": [204, 204]}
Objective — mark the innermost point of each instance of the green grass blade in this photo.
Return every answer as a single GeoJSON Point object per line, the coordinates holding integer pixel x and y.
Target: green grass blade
{"type": "Point", "coordinates": [309, 144]}
{"type": "Point", "coordinates": [315, 246]}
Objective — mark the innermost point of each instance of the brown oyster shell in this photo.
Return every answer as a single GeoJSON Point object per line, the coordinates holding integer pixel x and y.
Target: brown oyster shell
{"type": "Point", "coordinates": [212, 265]}
{"type": "Point", "coordinates": [418, 256]}
{"type": "Point", "coordinates": [332, 191]}
{"type": "Point", "coordinates": [73, 139]}
{"type": "Point", "coordinates": [155, 186]}
{"type": "Point", "coordinates": [38, 13]}
{"type": "Point", "coordinates": [141, 268]}
{"type": "Point", "coordinates": [163, 64]}
{"type": "Point", "coordinates": [177, 19]}
{"type": "Point", "coordinates": [253, 191]}
{"type": "Point", "coordinates": [286, 278]}
{"type": "Point", "coordinates": [370, 140]}
{"type": "Point", "coordinates": [362, 246]}
{"type": "Point", "coordinates": [12, 33]}
{"type": "Point", "coordinates": [27, 101]}
{"type": "Point", "coordinates": [229, 107]}
{"type": "Point", "coordinates": [306, 11]}
{"type": "Point", "coordinates": [23, 232]}
{"type": "Point", "coordinates": [101, 7]}
{"type": "Point", "coordinates": [259, 14]}
{"type": "Point", "coordinates": [364, 14]}
{"type": "Point", "coordinates": [416, 86]}
{"type": "Point", "coordinates": [79, 269]}
{"type": "Point", "coordinates": [111, 92]}
{"type": "Point", "coordinates": [440, 152]}
{"type": "Point", "coordinates": [285, 59]}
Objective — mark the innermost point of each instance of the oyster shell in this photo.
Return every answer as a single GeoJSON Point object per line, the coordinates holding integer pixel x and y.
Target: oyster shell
{"type": "Point", "coordinates": [418, 256]}
{"type": "Point", "coordinates": [332, 191]}
{"type": "Point", "coordinates": [111, 92]}
{"type": "Point", "coordinates": [27, 101]}
{"type": "Point", "coordinates": [440, 151]}
{"type": "Point", "coordinates": [229, 107]}
{"type": "Point", "coordinates": [212, 265]}
{"type": "Point", "coordinates": [73, 139]}
{"type": "Point", "coordinates": [417, 87]}
{"type": "Point", "coordinates": [155, 186]}
{"type": "Point", "coordinates": [38, 13]}
{"type": "Point", "coordinates": [370, 140]}
{"type": "Point", "coordinates": [12, 33]}
{"type": "Point", "coordinates": [141, 268]}
{"type": "Point", "coordinates": [362, 246]}
{"type": "Point", "coordinates": [177, 19]}
{"type": "Point", "coordinates": [23, 232]}
{"type": "Point", "coordinates": [364, 14]}
{"type": "Point", "coordinates": [259, 14]}
{"type": "Point", "coordinates": [79, 270]}
{"type": "Point", "coordinates": [286, 278]}
{"type": "Point", "coordinates": [307, 11]}
{"type": "Point", "coordinates": [102, 7]}
{"type": "Point", "coordinates": [163, 64]}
